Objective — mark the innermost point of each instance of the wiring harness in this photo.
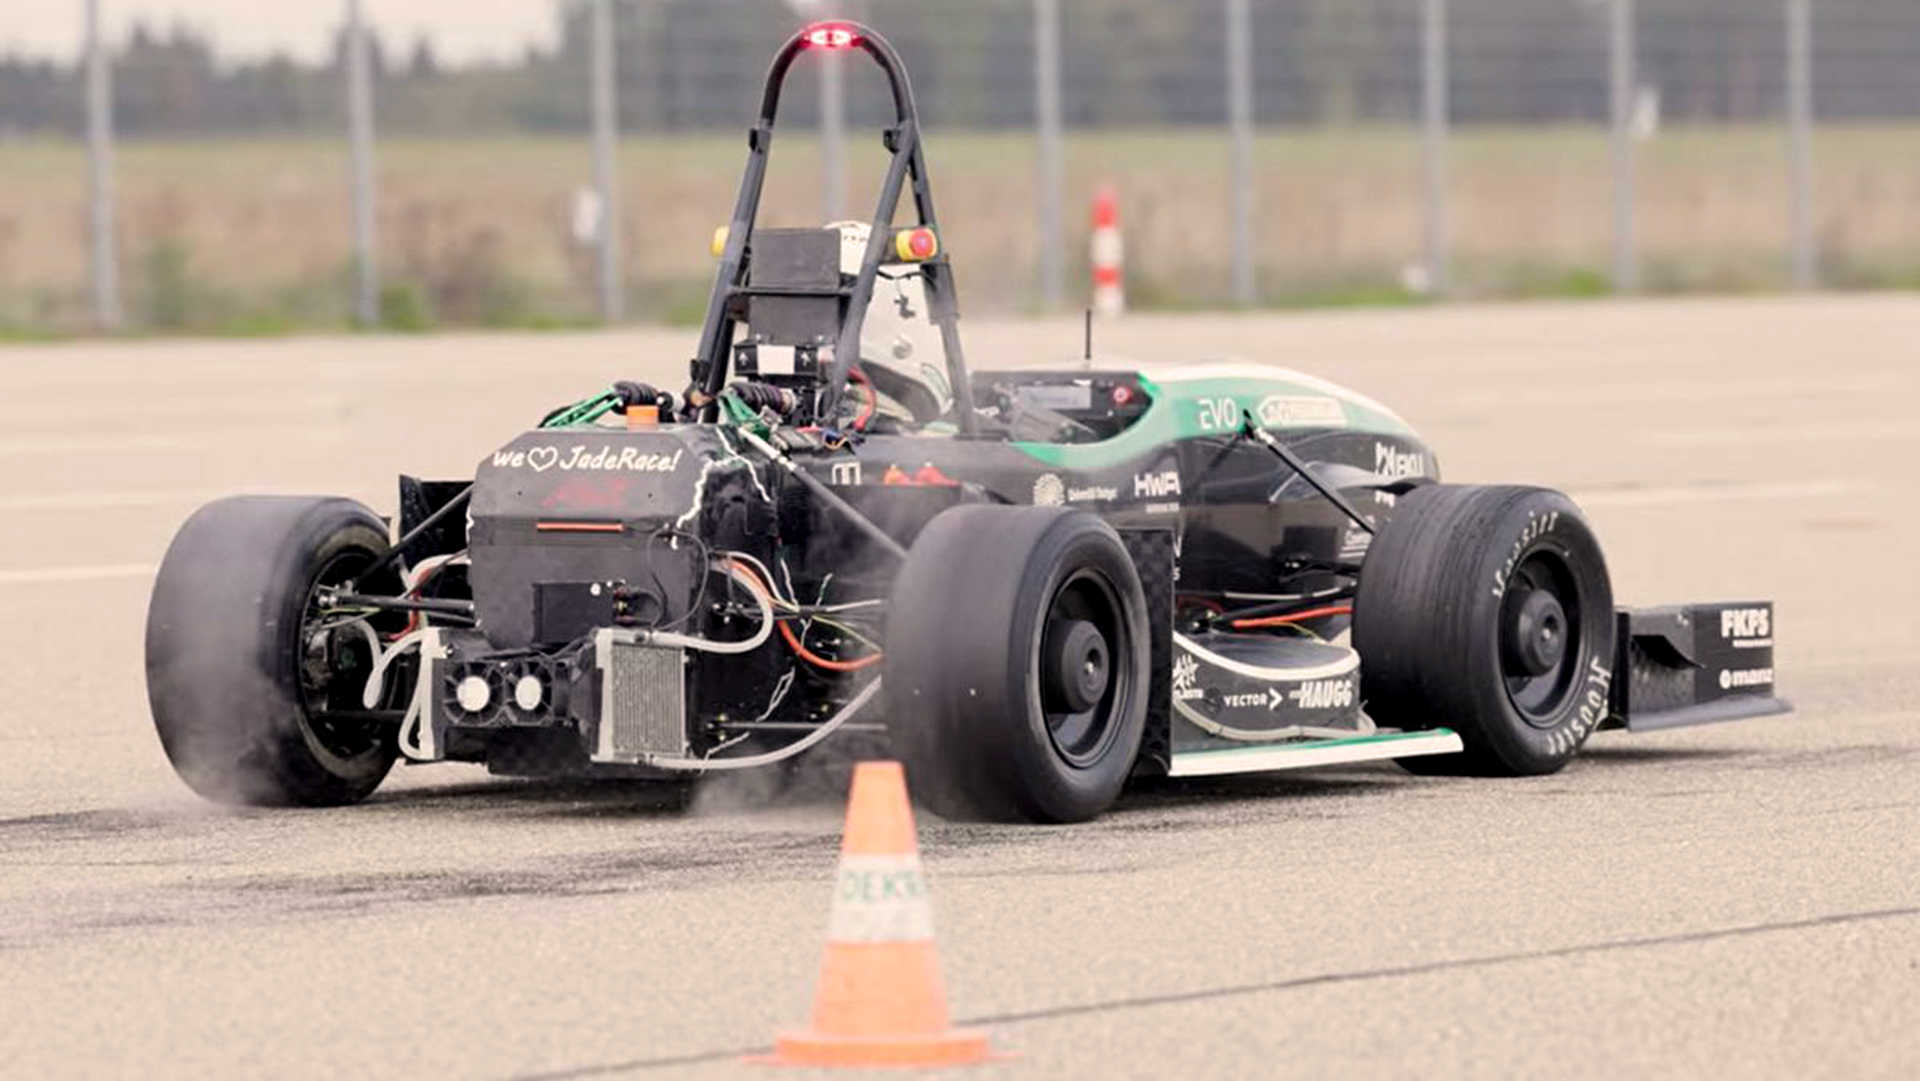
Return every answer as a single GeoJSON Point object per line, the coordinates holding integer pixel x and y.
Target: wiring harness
{"type": "Point", "coordinates": [752, 410]}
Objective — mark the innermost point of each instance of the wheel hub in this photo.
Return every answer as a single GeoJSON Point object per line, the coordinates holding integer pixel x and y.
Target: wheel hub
{"type": "Point", "coordinates": [332, 663]}
{"type": "Point", "coordinates": [1078, 666]}
{"type": "Point", "coordinates": [1537, 636]}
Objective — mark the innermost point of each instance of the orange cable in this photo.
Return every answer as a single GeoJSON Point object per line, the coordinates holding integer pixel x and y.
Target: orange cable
{"type": "Point", "coordinates": [1293, 617]}
{"type": "Point", "coordinates": [793, 640]}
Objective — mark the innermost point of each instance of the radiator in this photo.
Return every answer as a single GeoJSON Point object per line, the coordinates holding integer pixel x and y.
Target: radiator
{"type": "Point", "coordinates": [643, 700]}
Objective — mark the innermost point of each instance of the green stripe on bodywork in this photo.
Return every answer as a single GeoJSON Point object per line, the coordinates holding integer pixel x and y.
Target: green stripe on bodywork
{"type": "Point", "coordinates": [1176, 415]}
{"type": "Point", "coordinates": [1320, 744]}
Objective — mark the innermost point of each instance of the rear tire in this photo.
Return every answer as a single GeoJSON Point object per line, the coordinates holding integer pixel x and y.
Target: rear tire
{"type": "Point", "coordinates": [1017, 664]}
{"type": "Point", "coordinates": [229, 673]}
{"type": "Point", "coordinates": [1487, 610]}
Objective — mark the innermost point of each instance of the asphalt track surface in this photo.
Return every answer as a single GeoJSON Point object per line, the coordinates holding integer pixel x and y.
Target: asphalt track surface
{"type": "Point", "coordinates": [1740, 900]}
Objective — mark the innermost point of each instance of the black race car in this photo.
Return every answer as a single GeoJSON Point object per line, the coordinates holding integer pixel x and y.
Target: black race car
{"type": "Point", "coordinates": [1039, 583]}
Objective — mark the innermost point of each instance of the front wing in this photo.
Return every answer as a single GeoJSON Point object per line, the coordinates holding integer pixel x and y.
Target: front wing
{"type": "Point", "coordinates": [1693, 664]}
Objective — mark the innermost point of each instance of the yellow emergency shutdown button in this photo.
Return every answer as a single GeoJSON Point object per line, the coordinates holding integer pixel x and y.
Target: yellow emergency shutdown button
{"type": "Point", "coordinates": [916, 245]}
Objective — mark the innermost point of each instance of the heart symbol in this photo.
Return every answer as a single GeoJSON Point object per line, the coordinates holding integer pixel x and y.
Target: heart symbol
{"type": "Point", "coordinates": [541, 459]}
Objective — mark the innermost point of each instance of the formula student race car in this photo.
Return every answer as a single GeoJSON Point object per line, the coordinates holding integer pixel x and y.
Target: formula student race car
{"type": "Point", "coordinates": [1038, 583]}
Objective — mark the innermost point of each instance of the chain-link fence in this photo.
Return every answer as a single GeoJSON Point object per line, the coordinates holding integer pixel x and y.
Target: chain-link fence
{"type": "Point", "coordinates": [1264, 151]}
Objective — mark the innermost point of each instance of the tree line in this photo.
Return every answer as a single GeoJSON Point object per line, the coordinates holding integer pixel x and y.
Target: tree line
{"type": "Point", "coordinates": [695, 65]}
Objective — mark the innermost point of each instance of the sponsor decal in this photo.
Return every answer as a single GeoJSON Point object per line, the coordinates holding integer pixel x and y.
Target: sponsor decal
{"type": "Point", "coordinates": [931, 474]}
{"type": "Point", "coordinates": [1186, 678]}
{"type": "Point", "coordinates": [1289, 411]}
{"type": "Point", "coordinates": [1354, 543]}
{"type": "Point", "coordinates": [845, 474]}
{"type": "Point", "coordinates": [1747, 628]}
{"type": "Point", "coordinates": [880, 898]}
{"type": "Point", "coordinates": [1156, 485]}
{"type": "Point", "coordinates": [1050, 491]}
{"type": "Point", "coordinates": [1161, 508]}
{"type": "Point", "coordinates": [630, 459]}
{"type": "Point", "coordinates": [1735, 679]}
{"type": "Point", "coordinates": [1095, 493]}
{"type": "Point", "coordinates": [928, 475]}
{"type": "Point", "coordinates": [1391, 461]}
{"type": "Point", "coordinates": [1323, 694]}
{"type": "Point", "coordinates": [1219, 415]}
{"type": "Point", "coordinates": [1539, 525]}
{"type": "Point", "coordinates": [589, 493]}
{"type": "Point", "coordinates": [1593, 710]}
{"type": "Point", "coordinates": [1273, 699]}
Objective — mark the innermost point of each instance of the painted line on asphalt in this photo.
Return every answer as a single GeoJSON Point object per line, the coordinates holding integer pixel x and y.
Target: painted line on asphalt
{"type": "Point", "coordinates": [1668, 495]}
{"type": "Point", "coordinates": [231, 437]}
{"type": "Point", "coordinates": [60, 410]}
{"type": "Point", "coordinates": [1441, 967]}
{"type": "Point", "coordinates": [1851, 664]}
{"type": "Point", "coordinates": [1841, 434]}
{"type": "Point", "coordinates": [159, 497]}
{"type": "Point", "coordinates": [1429, 968]}
{"type": "Point", "coordinates": [156, 497]}
{"type": "Point", "coordinates": [100, 573]}
{"type": "Point", "coordinates": [1653, 393]}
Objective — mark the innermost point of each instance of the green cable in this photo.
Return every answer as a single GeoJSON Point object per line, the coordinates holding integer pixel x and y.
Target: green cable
{"type": "Point", "coordinates": [585, 412]}
{"type": "Point", "coordinates": [740, 414]}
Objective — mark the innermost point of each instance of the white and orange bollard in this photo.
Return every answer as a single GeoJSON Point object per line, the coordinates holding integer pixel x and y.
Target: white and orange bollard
{"type": "Point", "coordinates": [1108, 254]}
{"type": "Point", "coordinates": [880, 1001]}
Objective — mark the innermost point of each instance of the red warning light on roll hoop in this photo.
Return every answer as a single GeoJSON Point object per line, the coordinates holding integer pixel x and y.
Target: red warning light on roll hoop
{"type": "Point", "coordinates": [830, 36]}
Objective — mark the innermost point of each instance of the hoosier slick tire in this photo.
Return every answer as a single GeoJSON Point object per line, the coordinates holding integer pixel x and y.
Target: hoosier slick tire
{"type": "Point", "coordinates": [1017, 664]}
{"type": "Point", "coordinates": [1487, 610]}
{"type": "Point", "coordinates": [230, 672]}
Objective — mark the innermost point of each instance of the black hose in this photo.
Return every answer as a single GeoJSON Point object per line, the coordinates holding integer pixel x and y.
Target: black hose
{"type": "Point", "coordinates": [758, 396]}
{"type": "Point", "coordinates": [632, 394]}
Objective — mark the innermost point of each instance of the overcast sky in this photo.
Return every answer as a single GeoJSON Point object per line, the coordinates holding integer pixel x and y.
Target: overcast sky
{"type": "Point", "coordinates": [460, 29]}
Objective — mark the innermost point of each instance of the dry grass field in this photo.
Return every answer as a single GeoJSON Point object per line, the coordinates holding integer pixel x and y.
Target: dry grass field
{"type": "Point", "coordinates": [252, 235]}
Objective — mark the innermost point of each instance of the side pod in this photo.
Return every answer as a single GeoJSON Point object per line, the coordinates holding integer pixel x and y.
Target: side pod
{"type": "Point", "coordinates": [1693, 664]}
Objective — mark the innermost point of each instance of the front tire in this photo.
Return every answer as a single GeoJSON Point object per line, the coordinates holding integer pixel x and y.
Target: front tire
{"type": "Point", "coordinates": [1017, 664]}
{"type": "Point", "coordinates": [1487, 610]}
{"type": "Point", "coordinates": [243, 706]}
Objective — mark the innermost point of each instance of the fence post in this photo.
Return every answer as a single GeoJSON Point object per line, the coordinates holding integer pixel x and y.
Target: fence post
{"type": "Point", "coordinates": [366, 306]}
{"type": "Point", "coordinates": [1805, 257]}
{"type": "Point", "coordinates": [1046, 107]}
{"type": "Point", "coordinates": [1626, 265]}
{"type": "Point", "coordinates": [104, 249]}
{"type": "Point", "coordinates": [1435, 120]}
{"type": "Point", "coordinates": [606, 173]}
{"type": "Point", "coordinates": [1239, 34]}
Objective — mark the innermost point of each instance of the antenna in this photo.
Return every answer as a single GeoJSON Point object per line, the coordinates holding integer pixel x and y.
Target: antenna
{"type": "Point", "coordinates": [1088, 355]}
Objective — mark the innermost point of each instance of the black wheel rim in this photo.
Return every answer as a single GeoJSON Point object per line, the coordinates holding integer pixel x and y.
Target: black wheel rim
{"type": "Point", "coordinates": [1541, 617]}
{"type": "Point", "coordinates": [1082, 674]}
{"type": "Point", "coordinates": [332, 714]}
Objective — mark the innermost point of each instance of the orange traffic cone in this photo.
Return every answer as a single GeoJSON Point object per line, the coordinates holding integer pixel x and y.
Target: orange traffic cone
{"type": "Point", "coordinates": [880, 1001]}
